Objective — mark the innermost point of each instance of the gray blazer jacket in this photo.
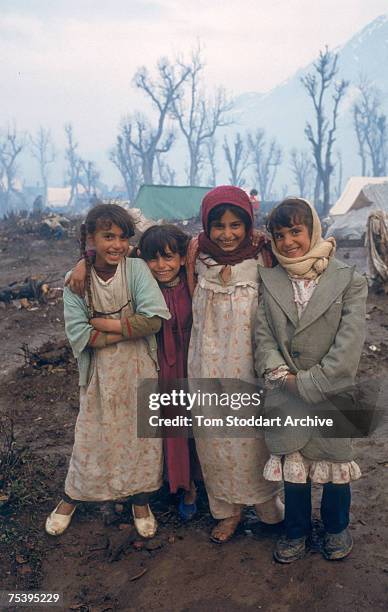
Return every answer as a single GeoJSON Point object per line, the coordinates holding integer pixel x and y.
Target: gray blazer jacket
{"type": "Point", "coordinates": [323, 348]}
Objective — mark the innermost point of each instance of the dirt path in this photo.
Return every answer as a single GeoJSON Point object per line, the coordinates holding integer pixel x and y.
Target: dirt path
{"type": "Point", "coordinates": [181, 570]}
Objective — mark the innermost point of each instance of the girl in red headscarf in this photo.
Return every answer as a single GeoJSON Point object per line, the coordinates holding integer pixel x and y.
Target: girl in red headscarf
{"type": "Point", "coordinates": [223, 277]}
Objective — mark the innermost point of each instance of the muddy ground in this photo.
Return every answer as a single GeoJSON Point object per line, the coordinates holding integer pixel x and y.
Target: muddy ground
{"type": "Point", "coordinates": [181, 570]}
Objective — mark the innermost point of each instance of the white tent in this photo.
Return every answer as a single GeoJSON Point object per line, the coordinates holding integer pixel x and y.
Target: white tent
{"type": "Point", "coordinates": [58, 197]}
{"type": "Point", "coordinates": [352, 190]}
{"type": "Point", "coordinates": [359, 203]}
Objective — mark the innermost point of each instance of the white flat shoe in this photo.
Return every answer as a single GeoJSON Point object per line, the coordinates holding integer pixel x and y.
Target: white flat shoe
{"type": "Point", "coordinates": [146, 527]}
{"type": "Point", "coordinates": [58, 523]}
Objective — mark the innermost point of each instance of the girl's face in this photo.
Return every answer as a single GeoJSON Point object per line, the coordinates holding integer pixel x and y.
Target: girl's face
{"type": "Point", "coordinates": [165, 268]}
{"type": "Point", "coordinates": [111, 245]}
{"type": "Point", "coordinates": [292, 241]}
{"type": "Point", "coordinates": [228, 232]}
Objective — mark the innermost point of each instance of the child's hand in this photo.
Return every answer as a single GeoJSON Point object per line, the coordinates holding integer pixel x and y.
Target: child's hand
{"type": "Point", "coordinates": [291, 385]}
{"type": "Point", "coordinates": [110, 326]}
{"type": "Point", "coordinates": [76, 280]}
{"type": "Point", "coordinates": [257, 235]}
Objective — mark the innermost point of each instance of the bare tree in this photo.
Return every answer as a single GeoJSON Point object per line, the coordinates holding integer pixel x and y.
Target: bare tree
{"type": "Point", "coordinates": [198, 116]}
{"type": "Point", "coordinates": [370, 125]}
{"type": "Point", "coordinates": [285, 191]}
{"type": "Point", "coordinates": [322, 138]}
{"type": "Point", "coordinates": [211, 147]}
{"type": "Point", "coordinates": [361, 137]}
{"type": "Point", "coordinates": [11, 145]}
{"type": "Point", "coordinates": [74, 164]}
{"type": "Point", "coordinates": [126, 160]}
{"type": "Point", "coordinates": [266, 161]}
{"type": "Point", "coordinates": [339, 175]}
{"type": "Point", "coordinates": [148, 140]}
{"type": "Point", "coordinates": [42, 149]}
{"type": "Point", "coordinates": [237, 159]}
{"type": "Point", "coordinates": [166, 174]}
{"type": "Point", "coordinates": [302, 169]}
{"type": "Point", "coordinates": [88, 176]}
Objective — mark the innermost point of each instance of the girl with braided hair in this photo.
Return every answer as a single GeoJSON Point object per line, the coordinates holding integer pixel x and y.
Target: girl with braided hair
{"type": "Point", "coordinates": [112, 334]}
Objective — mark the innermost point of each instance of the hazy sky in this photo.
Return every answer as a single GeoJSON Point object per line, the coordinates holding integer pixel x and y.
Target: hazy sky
{"type": "Point", "coordinates": [73, 60]}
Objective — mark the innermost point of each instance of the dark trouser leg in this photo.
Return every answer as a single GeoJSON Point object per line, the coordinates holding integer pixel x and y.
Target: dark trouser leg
{"type": "Point", "coordinates": [297, 519]}
{"type": "Point", "coordinates": [69, 500]}
{"type": "Point", "coordinates": [140, 499]}
{"type": "Point", "coordinates": [335, 507]}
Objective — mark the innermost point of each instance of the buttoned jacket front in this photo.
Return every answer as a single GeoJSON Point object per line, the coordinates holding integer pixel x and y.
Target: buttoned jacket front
{"type": "Point", "coordinates": [322, 347]}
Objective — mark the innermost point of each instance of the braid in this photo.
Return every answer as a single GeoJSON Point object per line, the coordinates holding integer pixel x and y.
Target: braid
{"type": "Point", "coordinates": [88, 279]}
{"type": "Point", "coordinates": [88, 282]}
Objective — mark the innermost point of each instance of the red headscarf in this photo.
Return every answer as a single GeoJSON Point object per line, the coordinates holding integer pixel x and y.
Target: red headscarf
{"type": "Point", "coordinates": [227, 194]}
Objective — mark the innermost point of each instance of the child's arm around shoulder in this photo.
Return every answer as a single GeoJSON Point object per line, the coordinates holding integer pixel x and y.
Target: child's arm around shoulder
{"type": "Point", "coordinates": [337, 370]}
{"type": "Point", "coordinates": [75, 279]}
{"type": "Point", "coordinates": [148, 302]}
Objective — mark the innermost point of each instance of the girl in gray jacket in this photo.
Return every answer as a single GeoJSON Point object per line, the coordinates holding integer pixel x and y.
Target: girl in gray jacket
{"type": "Point", "coordinates": [310, 331]}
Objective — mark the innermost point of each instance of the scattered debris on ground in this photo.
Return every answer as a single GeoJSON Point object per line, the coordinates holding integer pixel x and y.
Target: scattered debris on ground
{"type": "Point", "coordinates": [49, 354]}
{"type": "Point", "coordinates": [180, 569]}
{"type": "Point", "coordinates": [30, 289]}
{"type": "Point", "coordinates": [48, 225]}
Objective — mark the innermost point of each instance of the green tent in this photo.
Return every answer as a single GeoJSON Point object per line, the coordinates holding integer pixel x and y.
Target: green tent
{"type": "Point", "coordinates": [169, 202]}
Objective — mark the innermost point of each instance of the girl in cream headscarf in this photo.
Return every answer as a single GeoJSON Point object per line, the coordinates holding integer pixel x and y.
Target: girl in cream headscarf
{"type": "Point", "coordinates": [309, 335]}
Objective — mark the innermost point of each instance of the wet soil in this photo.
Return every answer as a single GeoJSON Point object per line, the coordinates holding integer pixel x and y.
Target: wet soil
{"type": "Point", "coordinates": [180, 570]}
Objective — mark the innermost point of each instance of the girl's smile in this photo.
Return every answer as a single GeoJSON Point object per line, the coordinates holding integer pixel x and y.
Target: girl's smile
{"type": "Point", "coordinates": [228, 232]}
{"type": "Point", "coordinates": [292, 241]}
{"type": "Point", "coordinates": [111, 245]}
{"type": "Point", "coordinates": [165, 268]}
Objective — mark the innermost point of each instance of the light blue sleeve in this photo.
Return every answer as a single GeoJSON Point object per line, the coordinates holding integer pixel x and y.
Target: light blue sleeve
{"type": "Point", "coordinates": [147, 298]}
{"type": "Point", "coordinates": [77, 326]}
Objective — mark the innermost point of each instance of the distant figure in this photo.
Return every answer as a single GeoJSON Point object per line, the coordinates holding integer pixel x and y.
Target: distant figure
{"type": "Point", "coordinates": [37, 207]}
{"type": "Point", "coordinates": [255, 204]}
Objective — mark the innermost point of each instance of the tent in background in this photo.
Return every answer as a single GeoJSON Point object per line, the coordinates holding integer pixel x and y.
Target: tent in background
{"type": "Point", "coordinates": [352, 190]}
{"type": "Point", "coordinates": [170, 202]}
{"type": "Point", "coordinates": [351, 211]}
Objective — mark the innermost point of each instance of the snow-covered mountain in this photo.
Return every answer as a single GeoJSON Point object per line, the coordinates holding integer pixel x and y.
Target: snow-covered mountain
{"type": "Point", "coordinates": [283, 111]}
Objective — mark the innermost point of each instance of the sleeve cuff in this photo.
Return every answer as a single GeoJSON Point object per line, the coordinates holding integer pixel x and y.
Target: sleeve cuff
{"type": "Point", "coordinates": [97, 339]}
{"type": "Point", "coordinates": [126, 329]}
{"type": "Point", "coordinates": [308, 389]}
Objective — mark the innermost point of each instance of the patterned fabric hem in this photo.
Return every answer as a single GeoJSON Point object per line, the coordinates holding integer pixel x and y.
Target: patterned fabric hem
{"type": "Point", "coordinates": [296, 468]}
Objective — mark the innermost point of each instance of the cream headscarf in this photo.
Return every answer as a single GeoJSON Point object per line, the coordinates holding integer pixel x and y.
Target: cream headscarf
{"type": "Point", "coordinates": [316, 260]}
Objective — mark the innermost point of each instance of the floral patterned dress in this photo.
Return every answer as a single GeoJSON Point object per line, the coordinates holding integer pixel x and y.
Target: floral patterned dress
{"type": "Point", "coordinates": [109, 461]}
{"type": "Point", "coordinates": [221, 346]}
